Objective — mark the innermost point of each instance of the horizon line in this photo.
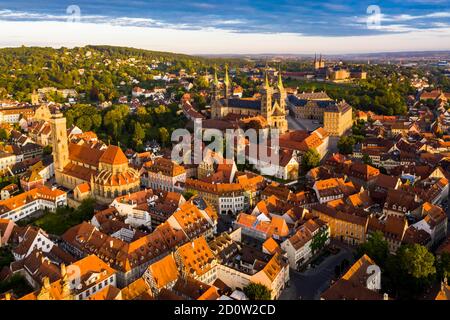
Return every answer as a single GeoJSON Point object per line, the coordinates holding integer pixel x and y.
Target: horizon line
{"type": "Point", "coordinates": [231, 54]}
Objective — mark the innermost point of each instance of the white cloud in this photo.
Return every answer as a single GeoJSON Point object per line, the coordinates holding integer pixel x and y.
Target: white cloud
{"type": "Point", "coordinates": [210, 41]}
{"type": "Point", "coordinates": [383, 18]}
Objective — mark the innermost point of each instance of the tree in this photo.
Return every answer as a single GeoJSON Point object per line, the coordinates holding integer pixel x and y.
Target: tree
{"type": "Point", "coordinates": [417, 261]}
{"type": "Point", "coordinates": [3, 93]}
{"type": "Point", "coordinates": [319, 240]}
{"type": "Point", "coordinates": [410, 271]}
{"type": "Point", "coordinates": [86, 209]}
{"type": "Point", "coordinates": [6, 257]}
{"type": "Point", "coordinates": [310, 159]}
{"type": "Point", "coordinates": [115, 119]}
{"type": "Point", "coordinates": [84, 123]}
{"type": "Point", "coordinates": [257, 291]}
{"type": "Point", "coordinates": [189, 194]}
{"type": "Point", "coordinates": [366, 159]}
{"type": "Point", "coordinates": [376, 247]}
{"type": "Point", "coordinates": [345, 144]}
{"type": "Point", "coordinates": [138, 135]}
{"type": "Point", "coordinates": [85, 116]}
{"type": "Point", "coordinates": [443, 265]}
{"type": "Point", "coordinates": [163, 135]}
{"type": "Point", "coordinates": [4, 135]}
{"type": "Point", "coordinates": [202, 82]}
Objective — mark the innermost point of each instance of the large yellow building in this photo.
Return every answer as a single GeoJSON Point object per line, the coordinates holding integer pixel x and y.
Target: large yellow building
{"type": "Point", "coordinates": [337, 119]}
{"type": "Point", "coordinates": [105, 171]}
{"type": "Point", "coordinates": [345, 227]}
{"type": "Point", "coordinates": [338, 74]}
{"type": "Point", "coordinates": [271, 105]}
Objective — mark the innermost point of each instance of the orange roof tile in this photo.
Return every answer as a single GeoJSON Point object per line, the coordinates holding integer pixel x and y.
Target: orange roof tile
{"type": "Point", "coordinates": [113, 155]}
{"type": "Point", "coordinates": [196, 256]}
{"type": "Point", "coordinates": [83, 188]}
{"type": "Point", "coordinates": [271, 246]}
{"type": "Point", "coordinates": [164, 271]}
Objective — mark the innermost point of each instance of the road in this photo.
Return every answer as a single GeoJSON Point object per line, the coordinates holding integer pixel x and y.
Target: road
{"type": "Point", "coordinates": [310, 284]}
{"type": "Point", "coordinates": [301, 124]}
{"type": "Point", "coordinates": [309, 125]}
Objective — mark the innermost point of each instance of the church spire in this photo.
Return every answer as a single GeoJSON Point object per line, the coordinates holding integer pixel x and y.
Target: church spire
{"type": "Point", "coordinates": [266, 77]}
{"type": "Point", "coordinates": [215, 85]}
{"type": "Point", "coordinates": [280, 80]}
{"type": "Point", "coordinates": [227, 78]}
{"type": "Point", "coordinates": [216, 80]}
{"type": "Point", "coordinates": [227, 83]}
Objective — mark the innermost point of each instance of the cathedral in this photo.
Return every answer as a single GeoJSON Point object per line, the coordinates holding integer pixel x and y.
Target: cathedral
{"type": "Point", "coordinates": [319, 63]}
{"type": "Point", "coordinates": [103, 173]}
{"type": "Point", "coordinates": [271, 104]}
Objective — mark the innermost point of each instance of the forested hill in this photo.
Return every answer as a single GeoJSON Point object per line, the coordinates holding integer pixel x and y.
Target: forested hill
{"type": "Point", "coordinates": [89, 69]}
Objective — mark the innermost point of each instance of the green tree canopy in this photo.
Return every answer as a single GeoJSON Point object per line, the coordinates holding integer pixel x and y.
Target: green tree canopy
{"type": "Point", "coordinates": [366, 159]}
{"type": "Point", "coordinates": [138, 135]}
{"type": "Point", "coordinates": [115, 119]}
{"type": "Point", "coordinates": [376, 247]}
{"type": "Point", "coordinates": [319, 240]}
{"type": "Point", "coordinates": [345, 144]}
{"type": "Point", "coordinates": [443, 265]}
{"type": "Point", "coordinates": [4, 135]}
{"type": "Point", "coordinates": [164, 135]}
{"type": "Point", "coordinates": [416, 260]}
{"type": "Point", "coordinates": [84, 116]}
{"type": "Point", "coordinates": [410, 271]}
{"type": "Point", "coordinates": [257, 291]}
{"type": "Point", "coordinates": [310, 159]}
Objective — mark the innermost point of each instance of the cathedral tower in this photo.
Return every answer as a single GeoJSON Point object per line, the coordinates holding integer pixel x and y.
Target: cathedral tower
{"type": "Point", "coordinates": [319, 64]}
{"type": "Point", "coordinates": [227, 83]}
{"type": "Point", "coordinates": [215, 86]}
{"type": "Point", "coordinates": [266, 97]}
{"type": "Point", "coordinates": [282, 92]}
{"type": "Point", "coordinates": [277, 117]}
{"type": "Point", "coordinates": [60, 144]}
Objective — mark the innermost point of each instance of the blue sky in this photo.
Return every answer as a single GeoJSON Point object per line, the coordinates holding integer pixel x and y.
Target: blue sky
{"type": "Point", "coordinates": [265, 19]}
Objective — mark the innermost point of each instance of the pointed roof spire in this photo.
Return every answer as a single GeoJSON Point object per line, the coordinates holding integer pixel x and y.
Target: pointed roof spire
{"type": "Point", "coordinates": [227, 78]}
{"type": "Point", "coordinates": [280, 79]}
{"type": "Point", "coordinates": [266, 81]}
{"type": "Point", "coordinates": [216, 80]}
{"type": "Point", "coordinates": [266, 77]}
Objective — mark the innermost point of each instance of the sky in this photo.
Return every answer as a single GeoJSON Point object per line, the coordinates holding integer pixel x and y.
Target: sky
{"type": "Point", "coordinates": [231, 26]}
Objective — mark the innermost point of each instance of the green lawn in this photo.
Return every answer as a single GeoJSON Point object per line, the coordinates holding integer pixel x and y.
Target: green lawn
{"type": "Point", "coordinates": [64, 218]}
{"type": "Point", "coordinates": [308, 85]}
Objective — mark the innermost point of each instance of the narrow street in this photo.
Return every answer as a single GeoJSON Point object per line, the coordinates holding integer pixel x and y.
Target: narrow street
{"type": "Point", "coordinates": [310, 284]}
